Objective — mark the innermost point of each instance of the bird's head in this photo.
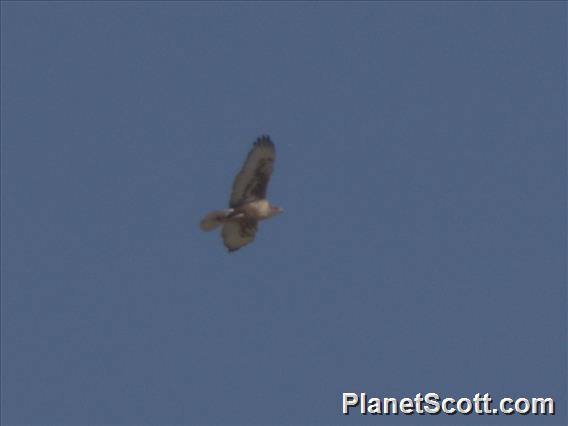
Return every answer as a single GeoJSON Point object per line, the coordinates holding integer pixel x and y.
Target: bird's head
{"type": "Point", "coordinates": [274, 210]}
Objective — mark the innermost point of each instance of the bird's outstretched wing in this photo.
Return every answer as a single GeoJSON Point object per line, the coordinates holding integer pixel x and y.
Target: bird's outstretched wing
{"type": "Point", "coordinates": [237, 234]}
{"type": "Point", "coordinates": [251, 182]}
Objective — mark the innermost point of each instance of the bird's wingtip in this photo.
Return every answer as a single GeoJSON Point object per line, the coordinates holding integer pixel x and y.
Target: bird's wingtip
{"type": "Point", "coordinates": [264, 140]}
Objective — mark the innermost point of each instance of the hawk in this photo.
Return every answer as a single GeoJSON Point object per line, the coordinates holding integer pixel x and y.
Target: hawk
{"type": "Point", "coordinates": [248, 204]}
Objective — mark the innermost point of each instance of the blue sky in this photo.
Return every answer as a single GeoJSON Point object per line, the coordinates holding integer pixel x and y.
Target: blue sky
{"type": "Point", "coordinates": [421, 161]}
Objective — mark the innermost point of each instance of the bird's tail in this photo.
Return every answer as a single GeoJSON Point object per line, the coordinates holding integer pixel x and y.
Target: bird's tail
{"type": "Point", "coordinates": [214, 219]}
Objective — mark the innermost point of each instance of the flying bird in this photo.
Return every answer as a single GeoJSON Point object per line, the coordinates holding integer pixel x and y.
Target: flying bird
{"type": "Point", "coordinates": [248, 204]}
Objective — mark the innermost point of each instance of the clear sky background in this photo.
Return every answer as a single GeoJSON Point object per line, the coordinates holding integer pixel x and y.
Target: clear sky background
{"type": "Point", "coordinates": [421, 160]}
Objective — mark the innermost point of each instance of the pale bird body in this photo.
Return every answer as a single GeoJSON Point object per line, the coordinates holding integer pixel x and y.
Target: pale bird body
{"type": "Point", "coordinates": [248, 204]}
{"type": "Point", "coordinates": [260, 209]}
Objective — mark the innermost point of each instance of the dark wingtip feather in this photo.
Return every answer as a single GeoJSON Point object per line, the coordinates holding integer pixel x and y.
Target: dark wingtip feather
{"type": "Point", "coordinates": [264, 140]}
